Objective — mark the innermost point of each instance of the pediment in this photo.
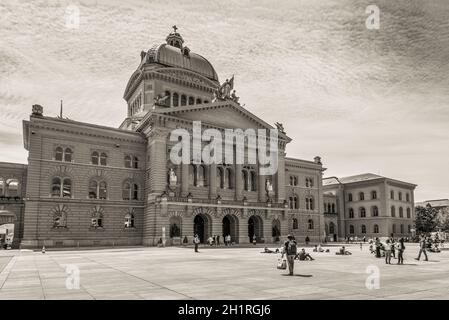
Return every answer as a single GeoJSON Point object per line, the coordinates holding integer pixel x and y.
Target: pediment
{"type": "Point", "coordinates": [222, 114]}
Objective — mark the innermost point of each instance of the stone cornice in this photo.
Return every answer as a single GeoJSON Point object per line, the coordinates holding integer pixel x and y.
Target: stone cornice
{"type": "Point", "coordinates": [79, 128]}
{"type": "Point", "coordinates": [173, 75]}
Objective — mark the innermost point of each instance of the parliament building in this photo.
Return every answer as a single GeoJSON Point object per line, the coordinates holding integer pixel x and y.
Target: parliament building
{"type": "Point", "coordinates": [91, 185]}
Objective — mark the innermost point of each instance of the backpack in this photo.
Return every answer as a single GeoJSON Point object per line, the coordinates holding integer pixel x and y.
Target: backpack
{"type": "Point", "coordinates": [291, 247]}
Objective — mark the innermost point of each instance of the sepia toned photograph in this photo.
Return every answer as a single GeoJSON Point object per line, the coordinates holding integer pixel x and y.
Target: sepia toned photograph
{"type": "Point", "coordinates": [247, 151]}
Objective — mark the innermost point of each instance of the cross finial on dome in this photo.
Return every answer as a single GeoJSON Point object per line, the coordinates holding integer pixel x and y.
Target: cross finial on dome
{"type": "Point", "coordinates": [175, 39]}
{"type": "Point", "coordinates": [175, 28]}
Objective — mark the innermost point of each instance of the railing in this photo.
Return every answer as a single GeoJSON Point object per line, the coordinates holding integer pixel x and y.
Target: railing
{"type": "Point", "coordinates": [225, 202]}
{"type": "Point", "coordinates": [4, 199]}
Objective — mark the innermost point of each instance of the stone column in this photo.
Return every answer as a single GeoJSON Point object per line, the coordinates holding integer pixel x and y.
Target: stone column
{"type": "Point", "coordinates": [238, 182]}
{"type": "Point", "coordinates": [184, 179]}
{"type": "Point", "coordinates": [261, 188]}
{"type": "Point", "coordinates": [157, 145]}
{"type": "Point", "coordinates": [213, 181]}
{"type": "Point", "coordinates": [243, 230]}
{"type": "Point", "coordinates": [280, 177]}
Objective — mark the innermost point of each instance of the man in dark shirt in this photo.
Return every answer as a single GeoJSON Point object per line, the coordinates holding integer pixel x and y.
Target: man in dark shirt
{"type": "Point", "coordinates": [290, 251]}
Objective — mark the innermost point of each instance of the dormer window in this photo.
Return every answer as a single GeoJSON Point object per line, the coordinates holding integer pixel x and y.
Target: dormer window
{"type": "Point", "coordinates": [186, 52]}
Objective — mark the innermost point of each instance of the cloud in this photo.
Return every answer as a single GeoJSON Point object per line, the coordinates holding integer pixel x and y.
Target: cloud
{"type": "Point", "coordinates": [364, 100]}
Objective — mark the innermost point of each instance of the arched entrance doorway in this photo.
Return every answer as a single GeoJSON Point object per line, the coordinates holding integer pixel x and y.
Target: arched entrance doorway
{"type": "Point", "coordinates": [7, 227]}
{"type": "Point", "coordinates": [231, 227]}
{"type": "Point", "coordinates": [201, 227]}
{"type": "Point", "coordinates": [276, 229]}
{"type": "Point", "coordinates": [255, 227]}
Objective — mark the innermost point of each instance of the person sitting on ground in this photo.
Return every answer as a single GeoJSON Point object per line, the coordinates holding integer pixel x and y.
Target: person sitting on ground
{"type": "Point", "coordinates": [266, 250]}
{"type": "Point", "coordinates": [343, 252]}
{"type": "Point", "coordinates": [315, 249]}
{"type": "Point", "coordinates": [327, 251]}
{"type": "Point", "coordinates": [303, 255]}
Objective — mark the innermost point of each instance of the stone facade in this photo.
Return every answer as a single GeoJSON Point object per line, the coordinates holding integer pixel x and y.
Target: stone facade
{"type": "Point", "coordinates": [370, 205]}
{"type": "Point", "coordinates": [91, 185]}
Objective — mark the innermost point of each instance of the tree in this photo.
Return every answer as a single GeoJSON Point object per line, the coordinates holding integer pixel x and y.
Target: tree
{"type": "Point", "coordinates": [426, 219]}
{"type": "Point", "coordinates": [443, 219]}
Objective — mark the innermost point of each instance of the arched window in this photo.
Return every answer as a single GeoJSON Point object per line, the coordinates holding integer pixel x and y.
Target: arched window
{"type": "Point", "coordinates": [221, 177]}
{"type": "Point", "coordinates": [183, 100]}
{"type": "Point", "coordinates": [393, 211]}
{"type": "Point", "coordinates": [61, 188]}
{"type": "Point", "coordinates": [409, 228]}
{"type": "Point", "coordinates": [333, 207]}
{"type": "Point", "coordinates": [350, 197]}
{"type": "Point", "coordinates": [376, 228]}
{"type": "Point", "coordinates": [295, 223]}
{"type": "Point", "coordinates": [103, 159]}
{"type": "Point", "coordinates": [407, 197]}
{"type": "Point", "coordinates": [402, 228]}
{"type": "Point", "coordinates": [392, 194]}
{"type": "Point", "coordinates": [98, 190]}
{"type": "Point", "coordinates": [375, 212]}
{"type": "Point", "coordinates": [135, 162]}
{"type": "Point", "coordinates": [228, 178]}
{"type": "Point", "coordinates": [67, 188]}
{"type": "Point", "coordinates": [193, 175]}
{"type": "Point", "coordinates": [175, 100]}
{"type": "Point", "coordinates": [351, 229]}
{"type": "Point", "coordinates": [126, 191]}
{"type": "Point", "coordinates": [129, 220]}
{"type": "Point", "coordinates": [56, 187]}
{"type": "Point", "coordinates": [245, 179]}
{"type": "Point", "coordinates": [253, 181]}
{"type": "Point", "coordinates": [68, 155]}
{"type": "Point", "coordinates": [97, 218]}
{"type": "Point", "coordinates": [363, 228]}
{"type": "Point", "coordinates": [309, 203]}
{"type": "Point", "coordinates": [328, 207]}
{"type": "Point", "coordinates": [295, 202]}
{"type": "Point", "coordinates": [409, 213]}
{"type": "Point", "coordinates": [206, 101]}
{"type": "Point", "coordinates": [394, 228]}
{"type": "Point", "coordinates": [290, 202]}
{"type": "Point", "coordinates": [103, 191]}
{"type": "Point", "coordinates": [400, 196]}
{"type": "Point", "coordinates": [362, 212]}
{"type": "Point", "coordinates": [95, 158]}
{"type": "Point", "coordinates": [198, 101]}
{"type": "Point", "coordinates": [191, 101]}
{"type": "Point", "coordinates": [331, 228]}
{"type": "Point", "coordinates": [351, 213]}
{"type": "Point", "coordinates": [295, 181]}
{"type": "Point", "coordinates": [373, 194]}
{"type": "Point", "coordinates": [401, 212]}
{"type": "Point", "coordinates": [310, 223]}
{"type": "Point", "coordinates": [361, 196]}
{"type": "Point", "coordinates": [59, 154]}
{"type": "Point", "coordinates": [202, 178]}
{"type": "Point", "coordinates": [167, 96]}
{"type": "Point", "coordinates": [127, 161]}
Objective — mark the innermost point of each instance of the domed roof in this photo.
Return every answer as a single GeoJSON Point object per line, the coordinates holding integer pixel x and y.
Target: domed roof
{"type": "Point", "coordinates": [174, 54]}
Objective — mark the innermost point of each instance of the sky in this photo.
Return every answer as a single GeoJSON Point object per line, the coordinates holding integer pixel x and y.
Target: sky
{"type": "Point", "coordinates": [365, 100]}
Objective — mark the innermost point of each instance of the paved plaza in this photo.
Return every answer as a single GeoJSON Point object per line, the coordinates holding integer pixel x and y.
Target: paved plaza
{"type": "Point", "coordinates": [223, 273]}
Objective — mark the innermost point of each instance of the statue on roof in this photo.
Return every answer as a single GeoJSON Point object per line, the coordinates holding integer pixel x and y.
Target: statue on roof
{"type": "Point", "coordinates": [280, 127]}
{"type": "Point", "coordinates": [234, 97]}
{"type": "Point", "coordinates": [224, 91]}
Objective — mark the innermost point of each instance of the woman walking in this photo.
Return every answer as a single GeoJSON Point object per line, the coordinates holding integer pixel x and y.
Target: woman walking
{"type": "Point", "coordinates": [388, 252]}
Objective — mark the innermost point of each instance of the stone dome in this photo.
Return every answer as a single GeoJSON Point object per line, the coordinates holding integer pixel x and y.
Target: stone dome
{"type": "Point", "coordinates": [174, 54]}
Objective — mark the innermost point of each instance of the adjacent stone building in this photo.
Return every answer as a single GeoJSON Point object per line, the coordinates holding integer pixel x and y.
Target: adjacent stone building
{"type": "Point", "coordinates": [369, 205]}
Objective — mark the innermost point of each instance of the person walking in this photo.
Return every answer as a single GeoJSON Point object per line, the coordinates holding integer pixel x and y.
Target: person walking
{"type": "Point", "coordinates": [388, 251]}
{"type": "Point", "coordinates": [196, 242]}
{"type": "Point", "coordinates": [218, 240]}
{"type": "Point", "coordinates": [377, 244]}
{"type": "Point", "coordinates": [393, 247]}
{"type": "Point", "coordinates": [422, 248]}
{"type": "Point", "coordinates": [307, 240]}
{"type": "Point", "coordinates": [290, 250]}
{"type": "Point", "coordinates": [401, 247]}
